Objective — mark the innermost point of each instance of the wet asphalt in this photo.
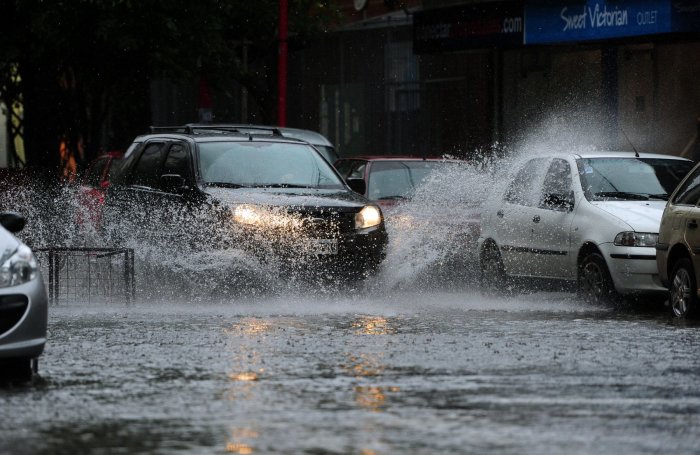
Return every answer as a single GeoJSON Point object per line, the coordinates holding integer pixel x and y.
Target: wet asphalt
{"type": "Point", "coordinates": [360, 372]}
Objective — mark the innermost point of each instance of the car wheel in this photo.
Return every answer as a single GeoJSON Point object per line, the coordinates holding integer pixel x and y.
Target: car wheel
{"type": "Point", "coordinates": [17, 370]}
{"type": "Point", "coordinates": [493, 273]}
{"type": "Point", "coordinates": [684, 291]}
{"type": "Point", "coordinates": [594, 281]}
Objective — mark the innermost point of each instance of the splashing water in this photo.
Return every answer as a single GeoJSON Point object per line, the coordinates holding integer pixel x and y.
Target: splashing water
{"type": "Point", "coordinates": [432, 235]}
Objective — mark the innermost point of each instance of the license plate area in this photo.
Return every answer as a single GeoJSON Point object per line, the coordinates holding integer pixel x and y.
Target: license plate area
{"type": "Point", "coordinates": [321, 246]}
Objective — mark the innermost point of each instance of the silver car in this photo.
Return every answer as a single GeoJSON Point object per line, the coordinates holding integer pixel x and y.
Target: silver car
{"type": "Point", "coordinates": [591, 219]}
{"type": "Point", "coordinates": [678, 249]}
{"type": "Point", "coordinates": [23, 304]}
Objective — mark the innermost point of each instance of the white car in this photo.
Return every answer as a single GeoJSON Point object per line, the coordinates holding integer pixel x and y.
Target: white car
{"type": "Point", "coordinates": [23, 304]}
{"type": "Point", "coordinates": [591, 218]}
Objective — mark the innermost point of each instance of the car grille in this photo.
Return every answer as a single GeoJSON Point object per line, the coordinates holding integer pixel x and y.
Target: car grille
{"type": "Point", "coordinates": [327, 223]}
{"type": "Point", "coordinates": [12, 308]}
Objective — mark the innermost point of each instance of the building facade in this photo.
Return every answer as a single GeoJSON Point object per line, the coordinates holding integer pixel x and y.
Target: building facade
{"type": "Point", "coordinates": [457, 77]}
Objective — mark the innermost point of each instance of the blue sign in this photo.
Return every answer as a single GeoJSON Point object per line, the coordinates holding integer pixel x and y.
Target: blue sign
{"type": "Point", "coordinates": [585, 20]}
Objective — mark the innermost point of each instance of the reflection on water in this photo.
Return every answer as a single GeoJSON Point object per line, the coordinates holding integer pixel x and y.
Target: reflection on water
{"type": "Point", "coordinates": [241, 440]}
{"type": "Point", "coordinates": [373, 325]}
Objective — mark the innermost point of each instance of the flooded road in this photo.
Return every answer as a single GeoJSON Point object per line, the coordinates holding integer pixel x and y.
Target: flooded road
{"type": "Point", "coordinates": [367, 373]}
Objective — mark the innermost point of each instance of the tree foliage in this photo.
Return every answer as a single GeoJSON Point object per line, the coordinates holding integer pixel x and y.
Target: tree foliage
{"type": "Point", "coordinates": [86, 66]}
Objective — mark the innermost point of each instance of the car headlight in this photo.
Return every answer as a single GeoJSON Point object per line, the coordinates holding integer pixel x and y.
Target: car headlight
{"type": "Point", "coordinates": [636, 239]}
{"type": "Point", "coordinates": [17, 267]}
{"type": "Point", "coordinates": [368, 217]}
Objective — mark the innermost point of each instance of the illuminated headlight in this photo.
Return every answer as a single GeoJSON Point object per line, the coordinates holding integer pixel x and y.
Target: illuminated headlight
{"type": "Point", "coordinates": [247, 214]}
{"type": "Point", "coordinates": [17, 267]}
{"type": "Point", "coordinates": [368, 217]}
{"type": "Point", "coordinates": [636, 239]}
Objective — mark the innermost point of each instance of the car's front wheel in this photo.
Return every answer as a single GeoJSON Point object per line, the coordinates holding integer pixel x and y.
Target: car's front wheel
{"type": "Point", "coordinates": [594, 281]}
{"type": "Point", "coordinates": [684, 290]}
{"type": "Point", "coordinates": [493, 274]}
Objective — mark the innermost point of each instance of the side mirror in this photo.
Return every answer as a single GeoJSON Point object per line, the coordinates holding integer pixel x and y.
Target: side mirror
{"type": "Point", "coordinates": [173, 182]}
{"type": "Point", "coordinates": [12, 221]}
{"type": "Point", "coordinates": [357, 185]}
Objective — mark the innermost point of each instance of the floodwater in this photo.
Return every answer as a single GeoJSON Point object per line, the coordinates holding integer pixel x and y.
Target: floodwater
{"type": "Point", "coordinates": [369, 373]}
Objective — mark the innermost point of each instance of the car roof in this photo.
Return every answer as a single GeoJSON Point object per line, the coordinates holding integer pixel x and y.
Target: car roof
{"type": "Point", "coordinates": [220, 136]}
{"type": "Point", "coordinates": [397, 158]}
{"type": "Point", "coordinates": [614, 154]}
{"type": "Point", "coordinates": [312, 137]}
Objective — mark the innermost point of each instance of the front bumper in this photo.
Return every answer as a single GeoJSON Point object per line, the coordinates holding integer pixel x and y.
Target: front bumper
{"type": "Point", "coordinates": [23, 320]}
{"type": "Point", "coordinates": [353, 254]}
{"type": "Point", "coordinates": [633, 269]}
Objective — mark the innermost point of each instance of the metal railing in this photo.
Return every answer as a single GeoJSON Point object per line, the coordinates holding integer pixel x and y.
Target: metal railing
{"type": "Point", "coordinates": [88, 275]}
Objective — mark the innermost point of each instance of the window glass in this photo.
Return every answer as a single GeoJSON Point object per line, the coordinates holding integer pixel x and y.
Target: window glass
{"type": "Point", "coordinates": [524, 188]}
{"type": "Point", "coordinates": [397, 179]}
{"type": "Point", "coordinates": [147, 168]}
{"type": "Point", "coordinates": [358, 170]}
{"type": "Point", "coordinates": [689, 193]}
{"type": "Point", "coordinates": [176, 161]}
{"type": "Point", "coordinates": [265, 164]}
{"type": "Point", "coordinates": [630, 178]}
{"type": "Point", "coordinates": [557, 182]}
{"type": "Point", "coordinates": [343, 167]}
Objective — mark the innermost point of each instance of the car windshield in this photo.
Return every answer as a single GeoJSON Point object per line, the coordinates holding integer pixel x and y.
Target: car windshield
{"type": "Point", "coordinates": [265, 164]}
{"type": "Point", "coordinates": [328, 152]}
{"type": "Point", "coordinates": [630, 178]}
{"type": "Point", "coordinates": [398, 179]}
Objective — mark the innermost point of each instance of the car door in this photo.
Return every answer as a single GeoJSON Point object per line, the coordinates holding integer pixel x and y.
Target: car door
{"type": "Point", "coordinates": [684, 218]}
{"type": "Point", "coordinates": [150, 206]}
{"type": "Point", "coordinates": [513, 224]}
{"type": "Point", "coordinates": [551, 223]}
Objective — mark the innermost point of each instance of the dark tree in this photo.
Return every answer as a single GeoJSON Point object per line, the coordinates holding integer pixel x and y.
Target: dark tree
{"type": "Point", "coordinates": [83, 69]}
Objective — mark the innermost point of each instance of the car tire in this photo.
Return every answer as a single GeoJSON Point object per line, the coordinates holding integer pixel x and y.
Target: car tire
{"type": "Point", "coordinates": [594, 281]}
{"type": "Point", "coordinates": [493, 273]}
{"type": "Point", "coordinates": [683, 290]}
{"type": "Point", "coordinates": [17, 370]}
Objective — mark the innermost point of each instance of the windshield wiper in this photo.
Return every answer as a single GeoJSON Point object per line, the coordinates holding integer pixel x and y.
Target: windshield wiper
{"type": "Point", "coordinates": [226, 185]}
{"type": "Point", "coordinates": [662, 196]}
{"type": "Point", "coordinates": [391, 197]}
{"type": "Point", "coordinates": [283, 185]}
{"type": "Point", "coordinates": [623, 195]}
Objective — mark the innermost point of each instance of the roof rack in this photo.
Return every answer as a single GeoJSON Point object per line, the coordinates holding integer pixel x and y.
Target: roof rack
{"type": "Point", "coordinates": [192, 129]}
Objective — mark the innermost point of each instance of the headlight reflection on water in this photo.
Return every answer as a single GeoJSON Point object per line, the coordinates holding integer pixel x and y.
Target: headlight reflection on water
{"type": "Point", "coordinates": [236, 444]}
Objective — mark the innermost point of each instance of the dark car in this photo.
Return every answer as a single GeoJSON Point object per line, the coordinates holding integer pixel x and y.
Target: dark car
{"type": "Point", "coordinates": [318, 140]}
{"type": "Point", "coordinates": [207, 187]}
{"type": "Point", "coordinates": [93, 186]}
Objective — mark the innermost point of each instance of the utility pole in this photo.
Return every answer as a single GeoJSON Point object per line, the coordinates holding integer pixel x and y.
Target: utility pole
{"type": "Point", "coordinates": [282, 65]}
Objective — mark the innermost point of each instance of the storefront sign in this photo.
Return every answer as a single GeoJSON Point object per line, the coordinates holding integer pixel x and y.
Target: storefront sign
{"type": "Point", "coordinates": [468, 26]}
{"type": "Point", "coordinates": [585, 20]}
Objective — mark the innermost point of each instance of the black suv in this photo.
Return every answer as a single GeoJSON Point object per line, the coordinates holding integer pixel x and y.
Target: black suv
{"type": "Point", "coordinates": [202, 187]}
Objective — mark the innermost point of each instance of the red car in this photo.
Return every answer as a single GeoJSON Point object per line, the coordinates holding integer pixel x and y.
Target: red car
{"type": "Point", "coordinates": [439, 199]}
{"type": "Point", "coordinates": [92, 188]}
{"type": "Point", "coordinates": [389, 179]}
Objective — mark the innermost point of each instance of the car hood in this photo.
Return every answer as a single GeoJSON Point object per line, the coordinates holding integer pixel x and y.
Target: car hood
{"type": "Point", "coordinates": [642, 216]}
{"type": "Point", "coordinates": [290, 197]}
